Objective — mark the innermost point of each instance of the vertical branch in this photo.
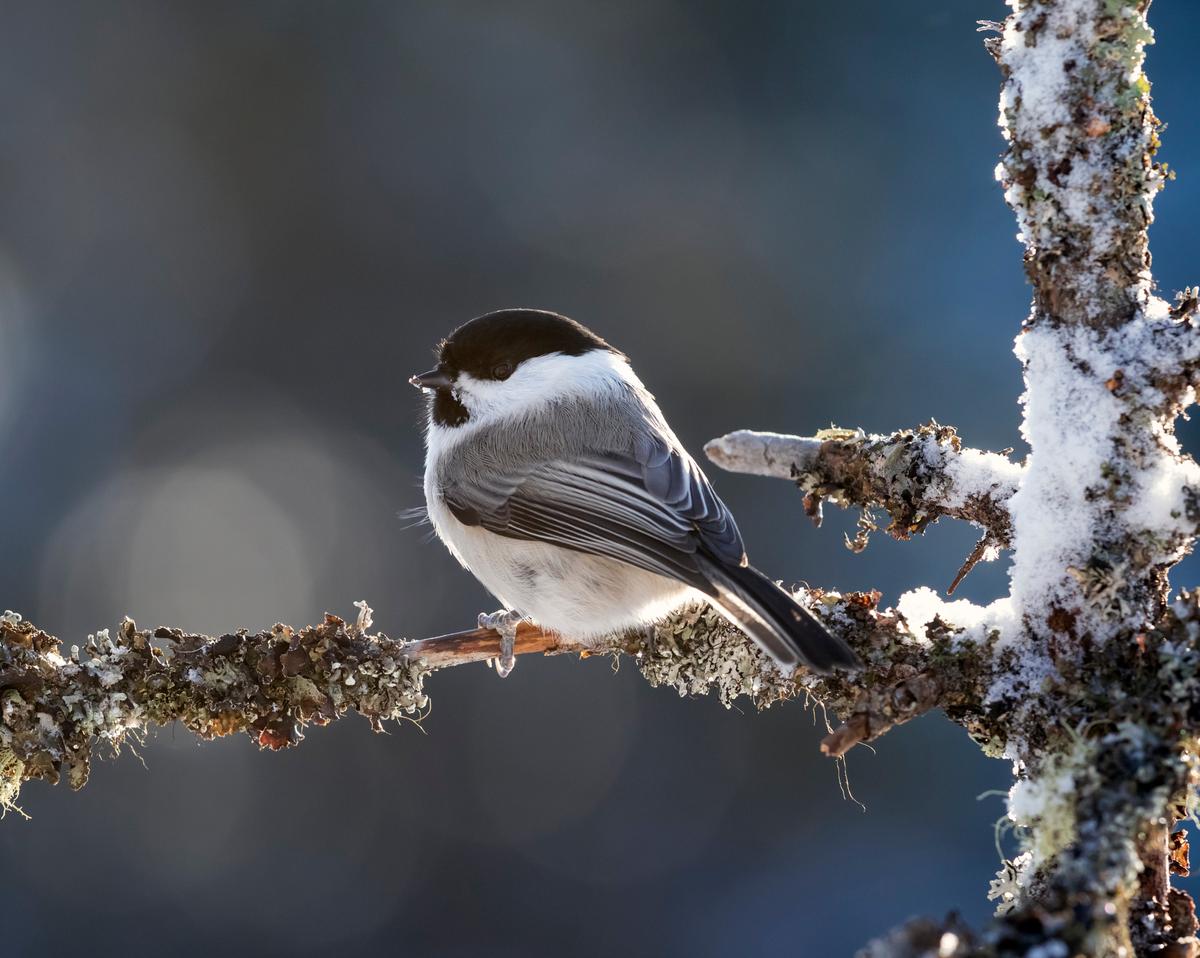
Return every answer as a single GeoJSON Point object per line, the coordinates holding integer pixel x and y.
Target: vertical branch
{"type": "Point", "coordinates": [1080, 175]}
{"type": "Point", "coordinates": [1080, 171]}
{"type": "Point", "coordinates": [1101, 512]}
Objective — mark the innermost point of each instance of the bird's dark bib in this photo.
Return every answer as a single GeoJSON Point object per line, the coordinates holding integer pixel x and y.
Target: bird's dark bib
{"type": "Point", "coordinates": [447, 410]}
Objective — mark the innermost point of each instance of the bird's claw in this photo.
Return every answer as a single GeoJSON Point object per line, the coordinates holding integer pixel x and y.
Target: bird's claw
{"type": "Point", "coordinates": [505, 622]}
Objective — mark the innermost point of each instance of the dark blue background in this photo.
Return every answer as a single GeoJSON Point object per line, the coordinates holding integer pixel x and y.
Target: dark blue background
{"type": "Point", "coordinates": [228, 233]}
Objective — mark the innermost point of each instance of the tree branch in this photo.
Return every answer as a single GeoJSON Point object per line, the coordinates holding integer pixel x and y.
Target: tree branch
{"type": "Point", "coordinates": [1080, 171]}
{"type": "Point", "coordinates": [482, 645]}
{"type": "Point", "coordinates": [1086, 677]}
{"type": "Point", "coordinates": [916, 475]}
{"type": "Point", "coordinates": [272, 684]}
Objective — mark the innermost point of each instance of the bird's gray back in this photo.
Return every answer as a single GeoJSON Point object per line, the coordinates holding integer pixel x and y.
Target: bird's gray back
{"type": "Point", "coordinates": [614, 423]}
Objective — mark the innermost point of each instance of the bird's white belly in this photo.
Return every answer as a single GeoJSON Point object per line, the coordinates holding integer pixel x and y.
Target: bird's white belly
{"type": "Point", "coordinates": [575, 594]}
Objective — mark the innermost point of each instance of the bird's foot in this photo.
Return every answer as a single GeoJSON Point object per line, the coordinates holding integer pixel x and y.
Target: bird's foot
{"type": "Point", "coordinates": [505, 622]}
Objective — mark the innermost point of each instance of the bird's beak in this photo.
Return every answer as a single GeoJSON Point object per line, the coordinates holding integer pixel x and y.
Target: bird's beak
{"type": "Point", "coordinates": [436, 378]}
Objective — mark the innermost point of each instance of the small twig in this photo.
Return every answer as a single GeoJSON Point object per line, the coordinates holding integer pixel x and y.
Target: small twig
{"type": "Point", "coordinates": [479, 645]}
{"type": "Point", "coordinates": [855, 730]}
{"type": "Point", "coordinates": [881, 709]}
{"type": "Point", "coordinates": [976, 556]}
{"type": "Point", "coordinates": [916, 475]}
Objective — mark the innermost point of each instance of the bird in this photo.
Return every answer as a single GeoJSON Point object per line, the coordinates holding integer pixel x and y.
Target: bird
{"type": "Point", "coordinates": [553, 477]}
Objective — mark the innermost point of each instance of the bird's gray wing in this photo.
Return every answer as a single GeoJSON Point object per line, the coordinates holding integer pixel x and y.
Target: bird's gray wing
{"type": "Point", "coordinates": [653, 509]}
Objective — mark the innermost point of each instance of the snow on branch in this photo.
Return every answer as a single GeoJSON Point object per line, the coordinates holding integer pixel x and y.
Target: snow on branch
{"type": "Point", "coordinates": [1101, 673]}
{"type": "Point", "coordinates": [1086, 677]}
{"type": "Point", "coordinates": [916, 476]}
{"type": "Point", "coordinates": [1095, 697]}
{"type": "Point", "coordinates": [1080, 172]}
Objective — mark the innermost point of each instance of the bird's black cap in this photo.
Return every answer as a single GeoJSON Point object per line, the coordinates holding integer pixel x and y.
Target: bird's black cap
{"type": "Point", "coordinates": [492, 346]}
{"type": "Point", "coordinates": [504, 339]}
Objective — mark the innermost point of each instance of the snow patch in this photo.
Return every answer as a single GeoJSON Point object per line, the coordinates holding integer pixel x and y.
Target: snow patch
{"type": "Point", "coordinates": [1072, 413]}
{"type": "Point", "coordinates": [1038, 77]}
{"type": "Point", "coordinates": [1082, 484]}
{"type": "Point", "coordinates": [921, 606]}
{"type": "Point", "coordinates": [972, 474]}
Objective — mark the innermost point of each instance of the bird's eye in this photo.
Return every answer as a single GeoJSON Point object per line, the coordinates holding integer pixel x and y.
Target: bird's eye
{"type": "Point", "coordinates": [502, 370]}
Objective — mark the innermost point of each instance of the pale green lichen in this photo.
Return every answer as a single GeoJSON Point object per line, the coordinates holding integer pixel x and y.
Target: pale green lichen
{"type": "Point", "coordinates": [697, 651]}
{"type": "Point", "coordinates": [1006, 888]}
{"type": "Point", "coordinates": [1042, 806]}
{"type": "Point", "coordinates": [12, 772]}
{"type": "Point", "coordinates": [55, 710]}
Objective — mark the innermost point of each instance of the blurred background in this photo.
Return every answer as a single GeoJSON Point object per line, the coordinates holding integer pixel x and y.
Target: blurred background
{"type": "Point", "coordinates": [228, 233]}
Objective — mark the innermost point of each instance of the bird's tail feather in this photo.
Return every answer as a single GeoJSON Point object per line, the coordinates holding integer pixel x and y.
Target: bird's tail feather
{"type": "Point", "coordinates": [783, 628]}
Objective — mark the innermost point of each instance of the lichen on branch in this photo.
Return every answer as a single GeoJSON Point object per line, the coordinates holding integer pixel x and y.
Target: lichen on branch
{"type": "Point", "coordinates": [916, 476]}
{"type": "Point", "coordinates": [907, 672]}
{"type": "Point", "coordinates": [1080, 170]}
{"type": "Point", "coordinates": [1086, 677]}
{"type": "Point", "coordinates": [55, 708]}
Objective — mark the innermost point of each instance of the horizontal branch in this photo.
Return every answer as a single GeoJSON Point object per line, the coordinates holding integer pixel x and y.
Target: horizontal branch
{"type": "Point", "coordinates": [481, 645]}
{"type": "Point", "coordinates": [916, 475]}
{"type": "Point", "coordinates": [55, 708]}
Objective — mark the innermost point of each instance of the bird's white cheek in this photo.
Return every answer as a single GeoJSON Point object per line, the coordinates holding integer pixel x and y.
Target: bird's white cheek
{"type": "Point", "coordinates": [477, 405]}
{"type": "Point", "coordinates": [535, 383]}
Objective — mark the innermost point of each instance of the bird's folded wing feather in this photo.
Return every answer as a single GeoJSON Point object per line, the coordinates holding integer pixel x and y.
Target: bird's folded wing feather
{"type": "Point", "coordinates": [653, 509]}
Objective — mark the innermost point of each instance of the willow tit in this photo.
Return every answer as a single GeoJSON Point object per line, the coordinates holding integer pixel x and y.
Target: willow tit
{"type": "Point", "coordinates": [553, 477]}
